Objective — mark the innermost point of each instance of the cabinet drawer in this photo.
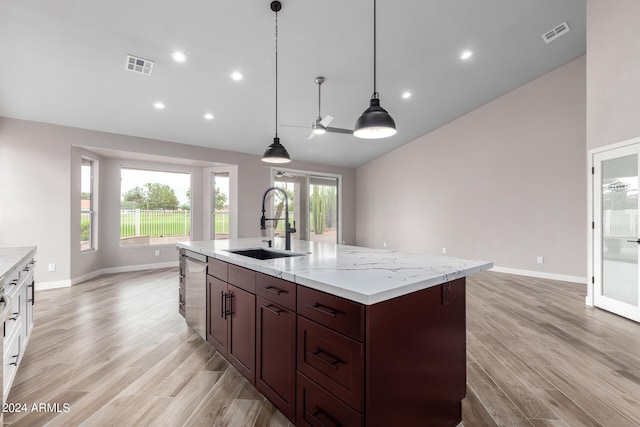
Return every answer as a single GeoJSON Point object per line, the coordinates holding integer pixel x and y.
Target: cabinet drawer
{"type": "Point", "coordinates": [242, 278]}
{"type": "Point", "coordinates": [217, 268]}
{"type": "Point", "coordinates": [276, 290]}
{"type": "Point", "coordinates": [333, 361]}
{"type": "Point", "coordinates": [317, 408]}
{"type": "Point", "coordinates": [339, 314]}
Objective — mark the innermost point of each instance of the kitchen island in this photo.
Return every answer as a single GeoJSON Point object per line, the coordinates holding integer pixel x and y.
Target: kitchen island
{"type": "Point", "coordinates": [342, 335]}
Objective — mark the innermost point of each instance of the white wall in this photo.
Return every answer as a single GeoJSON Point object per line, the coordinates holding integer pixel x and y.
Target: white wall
{"type": "Point", "coordinates": [38, 163]}
{"type": "Point", "coordinates": [504, 183]}
{"type": "Point", "coordinates": [613, 71]}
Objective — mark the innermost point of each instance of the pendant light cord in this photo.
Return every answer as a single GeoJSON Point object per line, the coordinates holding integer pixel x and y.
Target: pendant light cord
{"type": "Point", "coordinates": [375, 92]}
{"type": "Point", "coordinates": [276, 73]}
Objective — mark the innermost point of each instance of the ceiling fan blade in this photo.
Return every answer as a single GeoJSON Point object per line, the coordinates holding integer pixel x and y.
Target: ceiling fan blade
{"type": "Point", "coordinates": [295, 126]}
{"type": "Point", "coordinates": [326, 120]}
{"type": "Point", "coordinates": [339, 130]}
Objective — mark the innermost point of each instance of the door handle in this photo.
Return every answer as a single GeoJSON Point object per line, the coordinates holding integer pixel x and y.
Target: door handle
{"type": "Point", "coordinates": [634, 241]}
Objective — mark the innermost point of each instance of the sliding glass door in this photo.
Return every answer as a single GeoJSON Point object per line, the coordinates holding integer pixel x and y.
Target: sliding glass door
{"type": "Point", "coordinates": [314, 204]}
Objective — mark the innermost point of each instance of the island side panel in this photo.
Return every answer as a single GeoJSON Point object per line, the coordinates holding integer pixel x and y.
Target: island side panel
{"type": "Point", "coordinates": [416, 358]}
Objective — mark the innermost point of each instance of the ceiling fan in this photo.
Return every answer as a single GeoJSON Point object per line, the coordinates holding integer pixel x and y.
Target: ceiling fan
{"type": "Point", "coordinates": [321, 124]}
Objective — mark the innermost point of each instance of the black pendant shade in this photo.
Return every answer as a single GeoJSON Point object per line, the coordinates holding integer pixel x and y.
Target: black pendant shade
{"type": "Point", "coordinates": [374, 122]}
{"type": "Point", "coordinates": [276, 153]}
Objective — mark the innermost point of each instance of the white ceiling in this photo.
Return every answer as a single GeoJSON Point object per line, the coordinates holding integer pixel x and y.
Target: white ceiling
{"type": "Point", "coordinates": [63, 62]}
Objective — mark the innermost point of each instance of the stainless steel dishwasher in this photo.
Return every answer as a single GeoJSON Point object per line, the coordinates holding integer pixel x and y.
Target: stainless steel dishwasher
{"type": "Point", "coordinates": [195, 291]}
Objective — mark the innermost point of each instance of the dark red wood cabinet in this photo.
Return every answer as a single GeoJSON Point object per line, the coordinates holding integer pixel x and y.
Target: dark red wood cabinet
{"type": "Point", "coordinates": [323, 360]}
{"type": "Point", "coordinates": [276, 355]}
{"type": "Point", "coordinates": [231, 316]}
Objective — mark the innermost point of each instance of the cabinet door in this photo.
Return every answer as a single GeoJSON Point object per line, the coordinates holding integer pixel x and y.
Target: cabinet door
{"type": "Point", "coordinates": [276, 355]}
{"type": "Point", "coordinates": [216, 320]}
{"type": "Point", "coordinates": [242, 332]}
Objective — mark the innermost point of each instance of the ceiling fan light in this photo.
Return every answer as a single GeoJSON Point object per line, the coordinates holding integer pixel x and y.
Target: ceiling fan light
{"type": "Point", "coordinates": [276, 153]}
{"type": "Point", "coordinates": [375, 122]}
{"type": "Point", "coordinates": [317, 128]}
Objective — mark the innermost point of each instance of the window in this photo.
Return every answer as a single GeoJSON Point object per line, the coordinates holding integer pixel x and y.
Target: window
{"type": "Point", "coordinates": [87, 214]}
{"type": "Point", "coordinates": [155, 207]}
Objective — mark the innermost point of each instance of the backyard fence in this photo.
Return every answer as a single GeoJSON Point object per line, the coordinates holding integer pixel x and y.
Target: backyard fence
{"type": "Point", "coordinates": [154, 223]}
{"type": "Point", "coordinates": [164, 223]}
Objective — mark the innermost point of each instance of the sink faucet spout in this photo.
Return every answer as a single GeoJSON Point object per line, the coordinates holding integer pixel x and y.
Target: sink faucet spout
{"type": "Point", "coordinates": [288, 230]}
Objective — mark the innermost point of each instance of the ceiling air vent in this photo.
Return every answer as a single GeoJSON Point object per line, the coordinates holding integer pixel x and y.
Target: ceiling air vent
{"type": "Point", "coordinates": [558, 31]}
{"type": "Point", "coordinates": [139, 65]}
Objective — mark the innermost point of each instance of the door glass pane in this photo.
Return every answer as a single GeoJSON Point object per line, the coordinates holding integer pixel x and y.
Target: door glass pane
{"type": "Point", "coordinates": [292, 184]}
{"type": "Point", "coordinates": [619, 224]}
{"type": "Point", "coordinates": [220, 208]}
{"type": "Point", "coordinates": [323, 209]}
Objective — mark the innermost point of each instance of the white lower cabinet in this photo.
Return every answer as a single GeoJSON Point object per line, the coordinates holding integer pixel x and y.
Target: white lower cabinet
{"type": "Point", "coordinates": [18, 323]}
{"type": "Point", "coordinates": [12, 355]}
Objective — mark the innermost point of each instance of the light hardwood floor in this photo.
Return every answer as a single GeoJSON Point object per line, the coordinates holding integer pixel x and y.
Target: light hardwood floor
{"type": "Point", "coordinates": [117, 352]}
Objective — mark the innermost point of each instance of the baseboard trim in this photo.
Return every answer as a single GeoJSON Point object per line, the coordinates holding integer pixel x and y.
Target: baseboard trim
{"type": "Point", "coordinates": [111, 270]}
{"type": "Point", "coordinates": [541, 275]}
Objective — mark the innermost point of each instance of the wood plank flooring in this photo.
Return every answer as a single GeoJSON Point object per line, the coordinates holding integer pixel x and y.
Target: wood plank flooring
{"type": "Point", "coordinates": [116, 350]}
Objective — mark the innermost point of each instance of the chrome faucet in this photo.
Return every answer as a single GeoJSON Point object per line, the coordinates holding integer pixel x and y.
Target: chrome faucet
{"type": "Point", "coordinates": [288, 230]}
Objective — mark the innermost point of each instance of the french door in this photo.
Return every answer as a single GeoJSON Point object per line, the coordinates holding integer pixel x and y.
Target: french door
{"type": "Point", "coordinates": [616, 233]}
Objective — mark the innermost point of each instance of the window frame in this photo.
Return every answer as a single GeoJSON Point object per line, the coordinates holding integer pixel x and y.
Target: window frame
{"type": "Point", "coordinates": [92, 163]}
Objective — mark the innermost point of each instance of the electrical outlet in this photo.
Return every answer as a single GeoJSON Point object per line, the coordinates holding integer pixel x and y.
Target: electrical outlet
{"type": "Point", "coordinates": [384, 244]}
{"type": "Point", "coordinates": [540, 260]}
{"type": "Point", "coordinates": [52, 267]}
{"type": "Point", "coordinates": [444, 251]}
{"type": "Point", "coordinates": [157, 252]}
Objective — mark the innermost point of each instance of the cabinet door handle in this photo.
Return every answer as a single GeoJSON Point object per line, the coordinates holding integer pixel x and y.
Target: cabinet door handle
{"type": "Point", "coordinates": [329, 312]}
{"type": "Point", "coordinates": [328, 421]}
{"type": "Point", "coordinates": [266, 307]}
{"type": "Point", "coordinates": [273, 290]}
{"type": "Point", "coordinates": [222, 304]}
{"type": "Point", "coordinates": [33, 292]}
{"type": "Point", "coordinates": [326, 362]}
{"type": "Point", "coordinates": [225, 311]}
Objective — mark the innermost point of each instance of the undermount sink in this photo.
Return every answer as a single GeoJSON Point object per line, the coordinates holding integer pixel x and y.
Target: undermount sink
{"type": "Point", "coordinates": [262, 253]}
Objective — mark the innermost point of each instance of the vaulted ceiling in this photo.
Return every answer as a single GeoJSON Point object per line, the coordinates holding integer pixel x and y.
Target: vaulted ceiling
{"type": "Point", "coordinates": [63, 62]}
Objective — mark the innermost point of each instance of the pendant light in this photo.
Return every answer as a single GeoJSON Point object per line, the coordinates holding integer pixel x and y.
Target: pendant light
{"type": "Point", "coordinates": [276, 153]}
{"type": "Point", "coordinates": [375, 122]}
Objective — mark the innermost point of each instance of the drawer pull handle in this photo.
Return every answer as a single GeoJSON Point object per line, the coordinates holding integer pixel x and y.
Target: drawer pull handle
{"type": "Point", "coordinates": [273, 290]}
{"type": "Point", "coordinates": [266, 307]}
{"type": "Point", "coordinates": [328, 421]}
{"type": "Point", "coordinates": [326, 362]}
{"type": "Point", "coordinates": [329, 312]}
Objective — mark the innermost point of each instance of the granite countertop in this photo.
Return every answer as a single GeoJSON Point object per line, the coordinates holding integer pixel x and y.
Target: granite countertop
{"type": "Point", "coordinates": [10, 257]}
{"type": "Point", "coordinates": [364, 275]}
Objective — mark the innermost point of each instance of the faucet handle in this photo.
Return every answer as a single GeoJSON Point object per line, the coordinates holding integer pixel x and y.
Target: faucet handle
{"type": "Point", "coordinates": [293, 229]}
{"type": "Point", "coordinates": [267, 242]}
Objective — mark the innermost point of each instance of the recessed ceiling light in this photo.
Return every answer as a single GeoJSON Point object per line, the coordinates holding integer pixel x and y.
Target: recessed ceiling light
{"type": "Point", "coordinates": [179, 57]}
{"type": "Point", "coordinates": [237, 76]}
{"type": "Point", "coordinates": [158, 105]}
{"type": "Point", "coordinates": [208, 116]}
{"type": "Point", "coordinates": [466, 55]}
{"type": "Point", "coordinates": [406, 95]}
